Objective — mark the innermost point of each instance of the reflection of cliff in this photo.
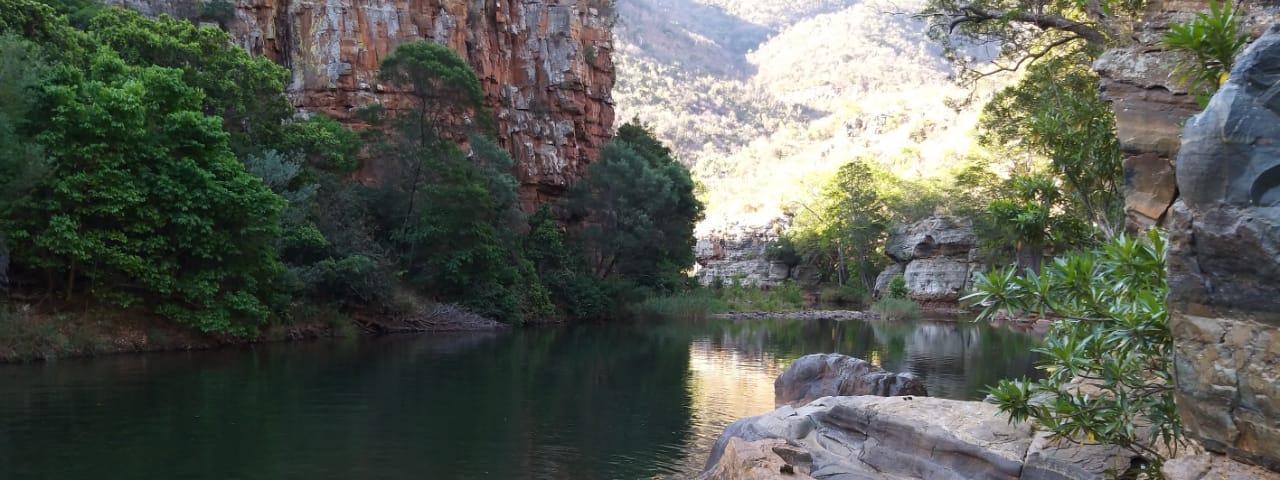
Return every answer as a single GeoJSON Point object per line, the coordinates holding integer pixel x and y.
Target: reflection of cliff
{"type": "Point", "coordinates": [955, 359]}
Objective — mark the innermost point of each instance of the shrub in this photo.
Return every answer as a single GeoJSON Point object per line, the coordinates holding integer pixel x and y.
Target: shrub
{"type": "Point", "coordinates": [891, 308]}
{"type": "Point", "coordinates": [1113, 333]}
{"type": "Point", "coordinates": [1209, 44]}
{"type": "Point", "coordinates": [898, 287]}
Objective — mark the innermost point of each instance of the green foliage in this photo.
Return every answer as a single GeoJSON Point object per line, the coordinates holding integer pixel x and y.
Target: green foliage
{"type": "Point", "coordinates": [848, 294]}
{"type": "Point", "coordinates": [1209, 44]}
{"type": "Point", "coordinates": [22, 161]}
{"type": "Point", "coordinates": [1055, 113]}
{"type": "Point", "coordinates": [843, 232]}
{"type": "Point", "coordinates": [1112, 335]}
{"type": "Point", "coordinates": [1031, 216]}
{"type": "Point", "coordinates": [898, 287]}
{"type": "Point", "coordinates": [220, 11]}
{"type": "Point", "coordinates": [783, 249]}
{"type": "Point", "coordinates": [696, 305]}
{"type": "Point", "coordinates": [896, 308]}
{"type": "Point", "coordinates": [247, 92]}
{"type": "Point", "coordinates": [326, 144]}
{"type": "Point", "coordinates": [639, 206]}
{"type": "Point", "coordinates": [739, 298]}
{"type": "Point", "coordinates": [145, 200]}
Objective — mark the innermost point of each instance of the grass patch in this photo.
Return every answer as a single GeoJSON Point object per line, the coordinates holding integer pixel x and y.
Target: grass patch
{"type": "Point", "coordinates": [785, 297]}
{"type": "Point", "coordinates": [891, 308]}
{"type": "Point", "coordinates": [695, 305]}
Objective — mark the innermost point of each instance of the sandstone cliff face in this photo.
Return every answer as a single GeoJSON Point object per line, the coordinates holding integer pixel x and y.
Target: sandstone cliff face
{"type": "Point", "coordinates": [546, 66]}
{"type": "Point", "coordinates": [1150, 107]}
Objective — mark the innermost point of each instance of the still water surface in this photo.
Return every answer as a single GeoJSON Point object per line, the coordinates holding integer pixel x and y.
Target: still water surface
{"type": "Point", "coordinates": [594, 402]}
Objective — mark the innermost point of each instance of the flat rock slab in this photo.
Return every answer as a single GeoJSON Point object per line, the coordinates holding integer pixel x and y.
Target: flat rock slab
{"type": "Point", "coordinates": [883, 438]}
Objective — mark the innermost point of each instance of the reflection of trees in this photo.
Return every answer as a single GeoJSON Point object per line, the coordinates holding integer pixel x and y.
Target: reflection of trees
{"type": "Point", "coordinates": [549, 403]}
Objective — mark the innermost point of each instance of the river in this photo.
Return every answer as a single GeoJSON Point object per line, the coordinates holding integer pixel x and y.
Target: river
{"type": "Point", "coordinates": [620, 401]}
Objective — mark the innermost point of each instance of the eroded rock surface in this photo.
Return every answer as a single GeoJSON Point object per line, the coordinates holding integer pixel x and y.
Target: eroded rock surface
{"type": "Point", "coordinates": [731, 250]}
{"type": "Point", "coordinates": [1224, 264]}
{"type": "Point", "coordinates": [831, 374]}
{"type": "Point", "coordinates": [546, 66]}
{"type": "Point", "coordinates": [871, 437]}
{"type": "Point", "coordinates": [1138, 79]}
{"type": "Point", "coordinates": [935, 256]}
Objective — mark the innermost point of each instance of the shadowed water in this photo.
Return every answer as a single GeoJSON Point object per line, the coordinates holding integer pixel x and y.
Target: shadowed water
{"type": "Point", "coordinates": [593, 402]}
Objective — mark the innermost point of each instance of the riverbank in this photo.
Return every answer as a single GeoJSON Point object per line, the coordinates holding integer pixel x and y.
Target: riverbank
{"type": "Point", "coordinates": [29, 334]}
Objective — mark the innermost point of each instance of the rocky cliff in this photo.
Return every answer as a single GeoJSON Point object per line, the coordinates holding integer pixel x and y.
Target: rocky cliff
{"type": "Point", "coordinates": [936, 256]}
{"type": "Point", "coordinates": [546, 66]}
{"type": "Point", "coordinates": [1150, 106]}
{"type": "Point", "coordinates": [1224, 264]}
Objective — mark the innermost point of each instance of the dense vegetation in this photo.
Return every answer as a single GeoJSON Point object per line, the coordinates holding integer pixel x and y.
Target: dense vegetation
{"type": "Point", "coordinates": [149, 164]}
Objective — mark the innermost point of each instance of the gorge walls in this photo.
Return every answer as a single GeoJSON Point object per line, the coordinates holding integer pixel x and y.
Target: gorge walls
{"type": "Point", "coordinates": [546, 66]}
{"type": "Point", "coordinates": [1224, 264]}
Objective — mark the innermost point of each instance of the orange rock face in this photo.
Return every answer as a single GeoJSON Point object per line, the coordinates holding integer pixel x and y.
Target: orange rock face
{"type": "Point", "coordinates": [546, 67]}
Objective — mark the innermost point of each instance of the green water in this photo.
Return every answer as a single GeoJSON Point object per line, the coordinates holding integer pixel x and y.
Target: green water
{"type": "Point", "coordinates": [593, 402]}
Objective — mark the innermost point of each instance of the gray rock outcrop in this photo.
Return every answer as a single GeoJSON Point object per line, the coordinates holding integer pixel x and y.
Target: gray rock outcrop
{"type": "Point", "coordinates": [831, 374]}
{"type": "Point", "coordinates": [871, 437]}
{"type": "Point", "coordinates": [1224, 264]}
{"type": "Point", "coordinates": [734, 250]}
{"type": "Point", "coordinates": [935, 256]}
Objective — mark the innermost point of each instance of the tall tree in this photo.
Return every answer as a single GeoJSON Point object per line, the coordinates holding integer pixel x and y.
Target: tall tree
{"type": "Point", "coordinates": [640, 210]}
{"type": "Point", "coordinates": [145, 201]}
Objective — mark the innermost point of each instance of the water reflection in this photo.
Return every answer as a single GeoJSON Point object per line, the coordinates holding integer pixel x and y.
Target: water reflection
{"type": "Point", "coordinates": [595, 402]}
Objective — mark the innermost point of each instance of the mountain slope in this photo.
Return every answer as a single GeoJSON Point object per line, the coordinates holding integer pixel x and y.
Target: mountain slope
{"type": "Point", "coordinates": [762, 98]}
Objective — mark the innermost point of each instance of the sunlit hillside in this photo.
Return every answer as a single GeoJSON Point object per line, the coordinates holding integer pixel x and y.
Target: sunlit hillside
{"type": "Point", "coordinates": [762, 98]}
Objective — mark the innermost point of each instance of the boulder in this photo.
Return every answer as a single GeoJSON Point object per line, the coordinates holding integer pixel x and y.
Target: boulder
{"type": "Point", "coordinates": [1150, 187]}
{"type": "Point", "coordinates": [871, 437]}
{"type": "Point", "coordinates": [937, 279]}
{"type": "Point", "coordinates": [1058, 459]}
{"type": "Point", "coordinates": [826, 374]}
{"type": "Point", "coordinates": [761, 459]}
{"type": "Point", "coordinates": [1214, 467]}
{"type": "Point", "coordinates": [1224, 264]}
{"type": "Point", "coordinates": [937, 236]}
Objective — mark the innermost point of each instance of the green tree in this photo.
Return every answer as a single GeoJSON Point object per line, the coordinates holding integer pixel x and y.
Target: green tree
{"type": "Point", "coordinates": [1109, 377]}
{"type": "Point", "coordinates": [452, 214]}
{"type": "Point", "coordinates": [1054, 112]}
{"type": "Point", "coordinates": [145, 201]}
{"type": "Point", "coordinates": [247, 92]}
{"type": "Point", "coordinates": [323, 143]}
{"type": "Point", "coordinates": [639, 209]}
{"type": "Point", "coordinates": [846, 227]}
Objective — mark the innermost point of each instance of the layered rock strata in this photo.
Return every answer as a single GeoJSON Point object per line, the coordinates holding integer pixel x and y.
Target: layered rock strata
{"type": "Point", "coordinates": [936, 256]}
{"type": "Point", "coordinates": [1140, 81]}
{"type": "Point", "coordinates": [1224, 264]}
{"type": "Point", "coordinates": [831, 374]}
{"type": "Point", "coordinates": [733, 250]}
{"type": "Point", "coordinates": [546, 66]}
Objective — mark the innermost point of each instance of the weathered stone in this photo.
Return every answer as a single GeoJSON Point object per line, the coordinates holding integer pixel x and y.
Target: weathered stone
{"type": "Point", "coordinates": [759, 460]}
{"type": "Point", "coordinates": [734, 250]}
{"type": "Point", "coordinates": [871, 437]}
{"type": "Point", "coordinates": [937, 236]}
{"type": "Point", "coordinates": [1050, 459]}
{"type": "Point", "coordinates": [1208, 466]}
{"type": "Point", "coordinates": [886, 276]}
{"type": "Point", "coordinates": [937, 279]}
{"type": "Point", "coordinates": [831, 374]}
{"type": "Point", "coordinates": [936, 257]}
{"type": "Point", "coordinates": [546, 67]}
{"type": "Point", "coordinates": [1224, 264]}
{"type": "Point", "coordinates": [1150, 187]}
